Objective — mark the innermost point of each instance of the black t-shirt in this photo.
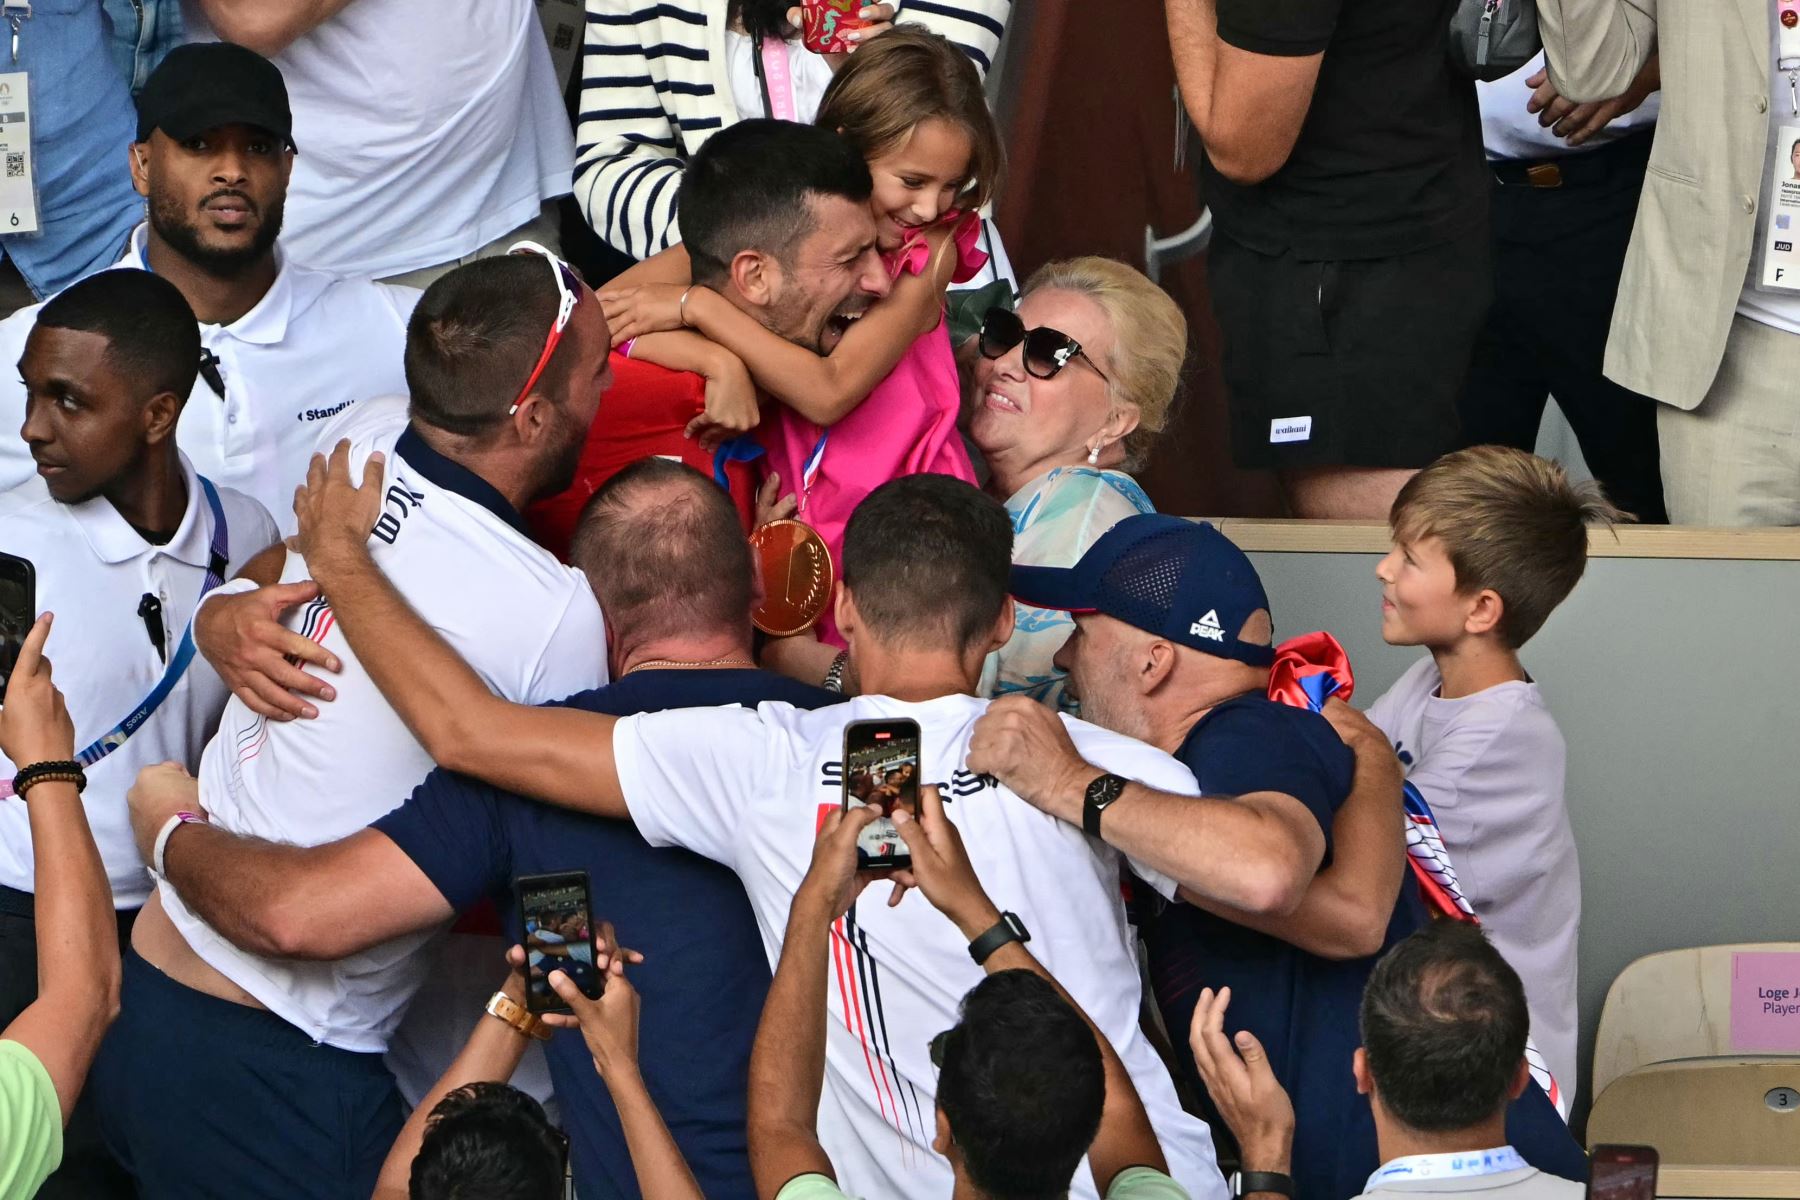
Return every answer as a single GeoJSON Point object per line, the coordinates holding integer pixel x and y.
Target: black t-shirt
{"type": "Point", "coordinates": [1389, 157]}
{"type": "Point", "coordinates": [704, 973]}
{"type": "Point", "coordinates": [1302, 1008]}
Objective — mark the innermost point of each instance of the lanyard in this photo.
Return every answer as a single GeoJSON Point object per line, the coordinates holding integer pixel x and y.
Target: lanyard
{"type": "Point", "coordinates": [770, 58]}
{"type": "Point", "coordinates": [218, 560]}
{"type": "Point", "coordinates": [1461, 1165]}
{"type": "Point", "coordinates": [15, 12]}
{"type": "Point", "coordinates": [1787, 47]}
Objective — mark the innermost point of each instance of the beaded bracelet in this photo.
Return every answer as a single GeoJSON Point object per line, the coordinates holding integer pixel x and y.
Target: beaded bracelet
{"type": "Point", "coordinates": [56, 771]}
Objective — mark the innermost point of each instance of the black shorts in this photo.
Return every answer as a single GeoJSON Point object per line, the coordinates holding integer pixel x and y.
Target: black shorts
{"type": "Point", "coordinates": [1354, 363]}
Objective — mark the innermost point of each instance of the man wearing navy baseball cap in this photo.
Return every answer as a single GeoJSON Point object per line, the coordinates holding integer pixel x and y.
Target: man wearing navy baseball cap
{"type": "Point", "coordinates": [1172, 645]}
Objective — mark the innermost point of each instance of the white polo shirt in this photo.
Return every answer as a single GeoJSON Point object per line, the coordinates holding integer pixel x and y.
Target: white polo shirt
{"type": "Point", "coordinates": [748, 788]}
{"type": "Point", "coordinates": [313, 346]}
{"type": "Point", "coordinates": [526, 623]}
{"type": "Point", "coordinates": [425, 131]}
{"type": "Point", "coordinates": [93, 571]}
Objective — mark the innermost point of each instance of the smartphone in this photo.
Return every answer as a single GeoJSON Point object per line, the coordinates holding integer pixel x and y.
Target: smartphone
{"type": "Point", "coordinates": [1622, 1173]}
{"type": "Point", "coordinates": [18, 609]}
{"type": "Point", "coordinates": [558, 935]}
{"type": "Point", "coordinates": [881, 770]}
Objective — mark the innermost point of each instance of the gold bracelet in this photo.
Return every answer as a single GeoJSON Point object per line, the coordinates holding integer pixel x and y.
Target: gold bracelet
{"type": "Point", "coordinates": [681, 306]}
{"type": "Point", "coordinates": [504, 1008]}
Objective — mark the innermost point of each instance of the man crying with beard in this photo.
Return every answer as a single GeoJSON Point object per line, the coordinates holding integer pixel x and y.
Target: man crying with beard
{"type": "Point", "coordinates": [284, 347]}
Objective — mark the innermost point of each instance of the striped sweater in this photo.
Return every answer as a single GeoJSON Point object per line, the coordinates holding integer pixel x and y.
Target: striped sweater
{"type": "Point", "coordinates": [654, 87]}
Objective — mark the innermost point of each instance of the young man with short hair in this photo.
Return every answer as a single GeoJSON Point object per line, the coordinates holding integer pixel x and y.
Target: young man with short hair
{"type": "Point", "coordinates": [1444, 1023]}
{"type": "Point", "coordinates": [922, 602]}
{"type": "Point", "coordinates": [287, 346]}
{"type": "Point", "coordinates": [126, 539]}
{"type": "Point", "coordinates": [506, 360]}
{"type": "Point", "coordinates": [1487, 542]}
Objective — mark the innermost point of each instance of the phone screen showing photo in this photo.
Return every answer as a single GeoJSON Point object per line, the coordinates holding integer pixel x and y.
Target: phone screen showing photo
{"type": "Point", "coordinates": [881, 770]}
{"type": "Point", "coordinates": [558, 935]}
{"type": "Point", "coordinates": [18, 609]}
{"type": "Point", "coordinates": [1622, 1173]}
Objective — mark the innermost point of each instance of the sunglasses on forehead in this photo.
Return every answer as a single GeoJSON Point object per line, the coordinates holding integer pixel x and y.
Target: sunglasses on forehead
{"type": "Point", "coordinates": [568, 295]}
{"type": "Point", "coordinates": [1047, 350]}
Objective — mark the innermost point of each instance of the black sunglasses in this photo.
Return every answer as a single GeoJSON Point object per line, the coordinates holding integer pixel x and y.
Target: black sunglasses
{"type": "Point", "coordinates": [1047, 350]}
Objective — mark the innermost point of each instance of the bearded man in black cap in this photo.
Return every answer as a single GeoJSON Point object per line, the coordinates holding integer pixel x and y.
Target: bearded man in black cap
{"type": "Point", "coordinates": [284, 347]}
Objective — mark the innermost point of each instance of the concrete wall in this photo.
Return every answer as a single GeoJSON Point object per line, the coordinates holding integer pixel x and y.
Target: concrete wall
{"type": "Point", "coordinates": [1675, 685]}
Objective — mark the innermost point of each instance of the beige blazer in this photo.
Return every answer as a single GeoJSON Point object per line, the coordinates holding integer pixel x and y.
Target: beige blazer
{"type": "Point", "coordinates": [1696, 222]}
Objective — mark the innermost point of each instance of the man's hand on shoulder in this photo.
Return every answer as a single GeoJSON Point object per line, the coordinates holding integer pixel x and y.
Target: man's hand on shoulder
{"type": "Point", "coordinates": [258, 657]}
{"type": "Point", "coordinates": [334, 514]}
{"type": "Point", "coordinates": [1028, 749]}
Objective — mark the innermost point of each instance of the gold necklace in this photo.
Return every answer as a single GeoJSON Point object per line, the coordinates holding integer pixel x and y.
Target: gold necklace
{"type": "Point", "coordinates": [680, 663]}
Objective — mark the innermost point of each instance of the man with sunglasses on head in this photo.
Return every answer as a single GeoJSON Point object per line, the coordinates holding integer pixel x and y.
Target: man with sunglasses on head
{"type": "Point", "coordinates": [227, 1060]}
{"type": "Point", "coordinates": [284, 347]}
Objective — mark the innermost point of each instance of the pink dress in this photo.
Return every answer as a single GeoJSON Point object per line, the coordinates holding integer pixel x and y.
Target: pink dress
{"type": "Point", "coordinates": [907, 426]}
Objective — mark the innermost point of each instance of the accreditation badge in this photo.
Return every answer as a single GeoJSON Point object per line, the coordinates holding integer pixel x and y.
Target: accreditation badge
{"type": "Point", "coordinates": [18, 181]}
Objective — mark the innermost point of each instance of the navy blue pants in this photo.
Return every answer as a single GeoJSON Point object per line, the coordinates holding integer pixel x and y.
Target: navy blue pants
{"type": "Point", "coordinates": [200, 1097]}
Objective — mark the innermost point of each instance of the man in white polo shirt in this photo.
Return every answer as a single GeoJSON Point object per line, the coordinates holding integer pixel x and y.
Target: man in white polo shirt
{"type": "Point", "coordinates": [453, 155]}
{"type": "Point", "coordinates": [926, 560]}
{"type": "Point", "coordinates": [125, 539]}
{"type": "Point", "coordinates": [232, 1058]}
{"type": "Point", "coordinates": [288, 347]}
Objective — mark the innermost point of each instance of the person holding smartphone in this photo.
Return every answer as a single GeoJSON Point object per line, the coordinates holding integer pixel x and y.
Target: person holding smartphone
{"type": "Point", "coordinates": [123, 538]}
{"type": "Point", "coordinates": [1444, 1024]}
{"type": "Point", "coordinates": [924, 592]}
{"type": "Point", "coordinates": [45, 1050]}
{"type": "Point", "coordinates": [1028, 1086]}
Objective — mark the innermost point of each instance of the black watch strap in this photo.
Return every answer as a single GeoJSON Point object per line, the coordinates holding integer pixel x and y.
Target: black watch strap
{"type": "Point", "coordinates": [1010, 929]}
{"type": "Point", "coordinates": [1100, 795]}
{"type": "Point", "coordinates": [1246, 1182]}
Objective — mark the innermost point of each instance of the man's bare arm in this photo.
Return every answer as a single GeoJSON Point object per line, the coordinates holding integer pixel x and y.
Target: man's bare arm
{"type": "Point", "coordinates": [1256, 852]}
{"type": "Point", "coordinates": [1248, 108]}
{"type": "Point", "coordinates": [268, 26]}
{"type": "Point", "coordinates": [316, 903]}
{"type": "Point", "coordinates": [559, 755]}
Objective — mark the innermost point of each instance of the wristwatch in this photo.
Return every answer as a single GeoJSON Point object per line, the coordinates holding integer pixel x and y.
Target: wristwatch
{"type": "Point", "coordinates": [1100, 794]}
{"type": "Point", "coordinates": [1010, 929]}
{"type": "Point", "coordinates": [504, 1008]}
{"type": "Point", "coordinates": [1243, 1183]}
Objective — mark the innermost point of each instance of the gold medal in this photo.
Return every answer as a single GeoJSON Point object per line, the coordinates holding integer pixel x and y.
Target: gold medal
{"type": "Point", "coordinates": [796, 577]}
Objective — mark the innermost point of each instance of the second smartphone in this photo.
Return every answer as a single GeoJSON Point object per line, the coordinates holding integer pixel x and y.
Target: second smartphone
{"type": "Point", "coordinates": [881, 770]}
{"type": "Point", "coordinates": [558, 933]}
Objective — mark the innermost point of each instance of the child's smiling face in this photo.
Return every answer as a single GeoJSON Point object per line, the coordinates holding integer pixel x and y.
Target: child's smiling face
{"type": "Point", "coordinates": [918, 182]}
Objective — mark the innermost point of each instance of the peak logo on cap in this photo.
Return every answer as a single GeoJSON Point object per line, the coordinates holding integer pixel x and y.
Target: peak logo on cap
{"type": "Point", "coordinates": [1208, 627]}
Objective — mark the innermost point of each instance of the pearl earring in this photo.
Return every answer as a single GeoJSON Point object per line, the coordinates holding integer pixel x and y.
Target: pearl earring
{"type": "Point", "coordinates": [1093, 456]}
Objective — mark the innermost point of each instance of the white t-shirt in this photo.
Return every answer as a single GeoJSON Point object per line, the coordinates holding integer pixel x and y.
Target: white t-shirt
{"type": "Point", "coordinates": [1508, 131]}
{"type": "Point", "coordinates": [93, 571]}
{"type": "Point", "coordinates": [1491, 768]}
{"type": "Point", "coordinates": [527, 624]}
{"type": "Point", "coordinates": [425, 131]}
{"type": "Point", "coordinates": [1774, 308]}
{"type": "Point", "coordinates": [312, 346]}
{"type": "Point", "coordinates": [748, 788]}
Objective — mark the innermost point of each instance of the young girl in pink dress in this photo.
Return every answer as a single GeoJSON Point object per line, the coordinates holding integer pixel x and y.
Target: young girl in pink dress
{"type": "Point", "coordinates": [884, 401]}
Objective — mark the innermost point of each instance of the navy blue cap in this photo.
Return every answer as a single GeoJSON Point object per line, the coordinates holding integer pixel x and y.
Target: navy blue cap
{"type": "Point", "coordinates": [1181, 580]}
